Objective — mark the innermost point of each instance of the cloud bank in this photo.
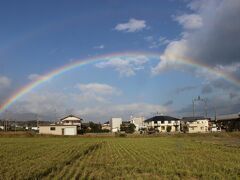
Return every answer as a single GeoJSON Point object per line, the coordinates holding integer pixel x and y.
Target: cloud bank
{"type": "Point", "coordinates": [210, 36]}
{"type": "Point", "coordinates": [126, 66]}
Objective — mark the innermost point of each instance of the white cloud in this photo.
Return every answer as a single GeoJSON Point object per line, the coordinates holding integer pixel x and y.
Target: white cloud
{"type": "Point", "coordinates": [133, 25]}
{"type": "Point", "coordinates": [172, 56]}
{"type": "Point", "coordinates": [97, 88]}
{"type": "Point", "coordinates": [209, 38]}
{"type": "Point", "coordinates": [4, 82]}
{"type": "Point", "coordinates": [189, 21]}
{"type": "Point", "coordinates": [101, 46]}
{"type": "Point", "coordinates": [33, 77]}
{"type": "Point", "coordinates": [121, 110]}
{"type": "Point", "coordinates": [57, 104]}
{"type": "Point", "coordinates": [156, 43]}
{"type": "Point", "coordinates": [126, 66]}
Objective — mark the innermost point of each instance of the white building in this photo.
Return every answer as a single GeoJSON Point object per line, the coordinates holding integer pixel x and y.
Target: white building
{"type": "Point", "coordinates": [138, 122]}
{"type": "Point", "coordinates": [71, 120]}
{"type": "Point", "coordinates": [196, 125]}
{"type": "Point", "coordinates": [35, 128]}
{"type": "Point", "coordinates": [1, 127]}
{"type": "Point", "coordinates": [106, 126]}
{"type": "Point", "coordinates": [115, 124]}
{"type": "Point", "coordinates": [214, 128]}
{"type": "Point", "coordinates": [66, 126]}
{"type": "Point", "coordinates": [69, 130]}
{"type": "Point", "coordinates": [163, 123]}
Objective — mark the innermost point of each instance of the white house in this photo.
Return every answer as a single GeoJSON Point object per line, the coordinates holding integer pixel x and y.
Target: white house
{"type": "Point", "coordinates": [66, 126]}
{"type": "Point", "coordinates": [69, 130]}
{"type": "Point", "coordinates": [163, 123]}
{"type": "Point", "coordinates": [115, 124]}
{"type": "Point", "coordinates": [106, 126]}
{"type": "Point", "coordinates": [71, 120]}
{"type": "Point", "coordinates": [196, 125]}
{"type": "Point", "coordinates": [138, 122]}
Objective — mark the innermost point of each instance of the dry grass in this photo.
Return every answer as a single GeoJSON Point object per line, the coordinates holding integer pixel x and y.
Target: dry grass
{"type": "Point", "coordinates": [166, 157]}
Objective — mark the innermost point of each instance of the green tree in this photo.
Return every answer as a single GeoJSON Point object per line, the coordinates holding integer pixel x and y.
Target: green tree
{"type": "Point", "coordinates": [129, 128]}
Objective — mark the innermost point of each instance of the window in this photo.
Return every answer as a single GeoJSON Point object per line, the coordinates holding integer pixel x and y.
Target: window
{"type": "Point", "coordinates": [169, 122]}
{"type": "Point", "coordinates": [163, 127]}
{"type": "Point", "coordinates": [162, 122]}
{"type": "Point", "coordinates": [52, 128]}
{"type": "Point", "coordinates": [155, 122]}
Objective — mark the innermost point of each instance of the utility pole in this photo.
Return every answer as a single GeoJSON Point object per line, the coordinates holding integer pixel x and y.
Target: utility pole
{"type": "Point", "coordinates": [15, 126]}
{"type": "Point", "coordinates": [6, 121]}
{"type": "Point", "coordinates": [193, 107]}
{"type": "Point", "coordinates": [204, 100]}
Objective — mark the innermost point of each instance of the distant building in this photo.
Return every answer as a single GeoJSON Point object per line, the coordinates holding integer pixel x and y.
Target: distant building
{"type": "Point", "coordinates": [106, 126]}
{"type": "Point", "coordinates": [163, 123]}
{"type": "Point", "coordinates": [115, 124]}
{"type": "Point", "coordinates": [228, 122]}
{"type": "Point", "coordinates": [71, 120]}
{"type": "Point", "coordinates": [69, 130]}
{"type": "Point", "coordinates": [138, 122]}
{"type": "Point", "coordinates": [35, 128]}
{"type": "Point", "coordinates": [66, 126]}
{"type": "Point", "coordinates": [195, 124]}
{"type": "Point", "coordinates": [1, 127]}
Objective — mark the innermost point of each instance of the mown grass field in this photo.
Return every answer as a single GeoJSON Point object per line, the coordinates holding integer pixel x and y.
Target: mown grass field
{"type": "Point", "coordinates": [167, 157]}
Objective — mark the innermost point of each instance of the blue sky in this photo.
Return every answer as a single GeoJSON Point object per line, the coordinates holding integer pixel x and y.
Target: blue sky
{"type": "Point", "coordinates": [39, 36]}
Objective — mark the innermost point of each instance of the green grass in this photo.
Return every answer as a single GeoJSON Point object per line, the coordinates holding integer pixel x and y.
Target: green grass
{"type": "Point", "coordinates": [167, 157]}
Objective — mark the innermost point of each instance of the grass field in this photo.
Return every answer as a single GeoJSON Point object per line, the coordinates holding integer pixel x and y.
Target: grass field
{"type": "Point", "coordinates": [167, 157]}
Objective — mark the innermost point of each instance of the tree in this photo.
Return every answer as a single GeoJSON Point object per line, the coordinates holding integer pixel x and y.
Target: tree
{"type": "Point", "coordinates": [95, 128]}
{"type": "Point", "coordinates": [131, 128]}
{"type": "Point", "coordinates": [128, 128]}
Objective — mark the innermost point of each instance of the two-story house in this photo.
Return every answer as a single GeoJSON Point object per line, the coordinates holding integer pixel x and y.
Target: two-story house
{"type": "Point", "coordinates": [163, 123]}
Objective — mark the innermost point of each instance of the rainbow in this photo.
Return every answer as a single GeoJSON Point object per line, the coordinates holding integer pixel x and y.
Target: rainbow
{"type": "Point", "coordinates": [68, 67]}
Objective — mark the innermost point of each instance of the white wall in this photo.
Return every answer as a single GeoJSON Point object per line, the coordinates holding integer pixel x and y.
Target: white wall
{"type": "Point", "coordinates": [115, 124]}
{"type": "Point", "coordinates": [198, 126]}
{"type": "Point", "coordinates": [138, 122]}
{"type": "Point", "coordinates": [58, 130]}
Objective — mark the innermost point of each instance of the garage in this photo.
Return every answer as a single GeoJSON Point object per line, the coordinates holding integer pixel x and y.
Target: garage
{"type": "Point", "coordinates": [70, 131]}
{"type": "Point", "coordinates": [58, 130]}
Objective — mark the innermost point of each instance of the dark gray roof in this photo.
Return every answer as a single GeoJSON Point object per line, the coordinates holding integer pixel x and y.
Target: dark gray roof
{"type": "Point", "coordinates": [161, 118]}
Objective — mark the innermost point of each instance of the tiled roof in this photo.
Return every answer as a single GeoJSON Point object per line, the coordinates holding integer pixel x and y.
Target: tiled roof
{"type": "Point", "coordinates": [161, 118]}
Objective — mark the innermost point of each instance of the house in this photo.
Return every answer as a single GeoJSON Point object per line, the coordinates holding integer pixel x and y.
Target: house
{"type": "Point", "coordinates": [138, 122]}
{"type": "Point", "coordinates": [71, 120]}
{"type": "Point", "coordinates": [163, 124]}
{"type": "Point", "coordinates": [66, 126]}
{"type": "Point", "coordinates": [228, 122]}
{"type": "Point", "coordinates": [115, 124]}
{"type": "Point", "coordinates": [194, 124]}
{"type": "Point", "coordinates": [58, 129]}
{"type": "Point", "coordinates": [106, 126]}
